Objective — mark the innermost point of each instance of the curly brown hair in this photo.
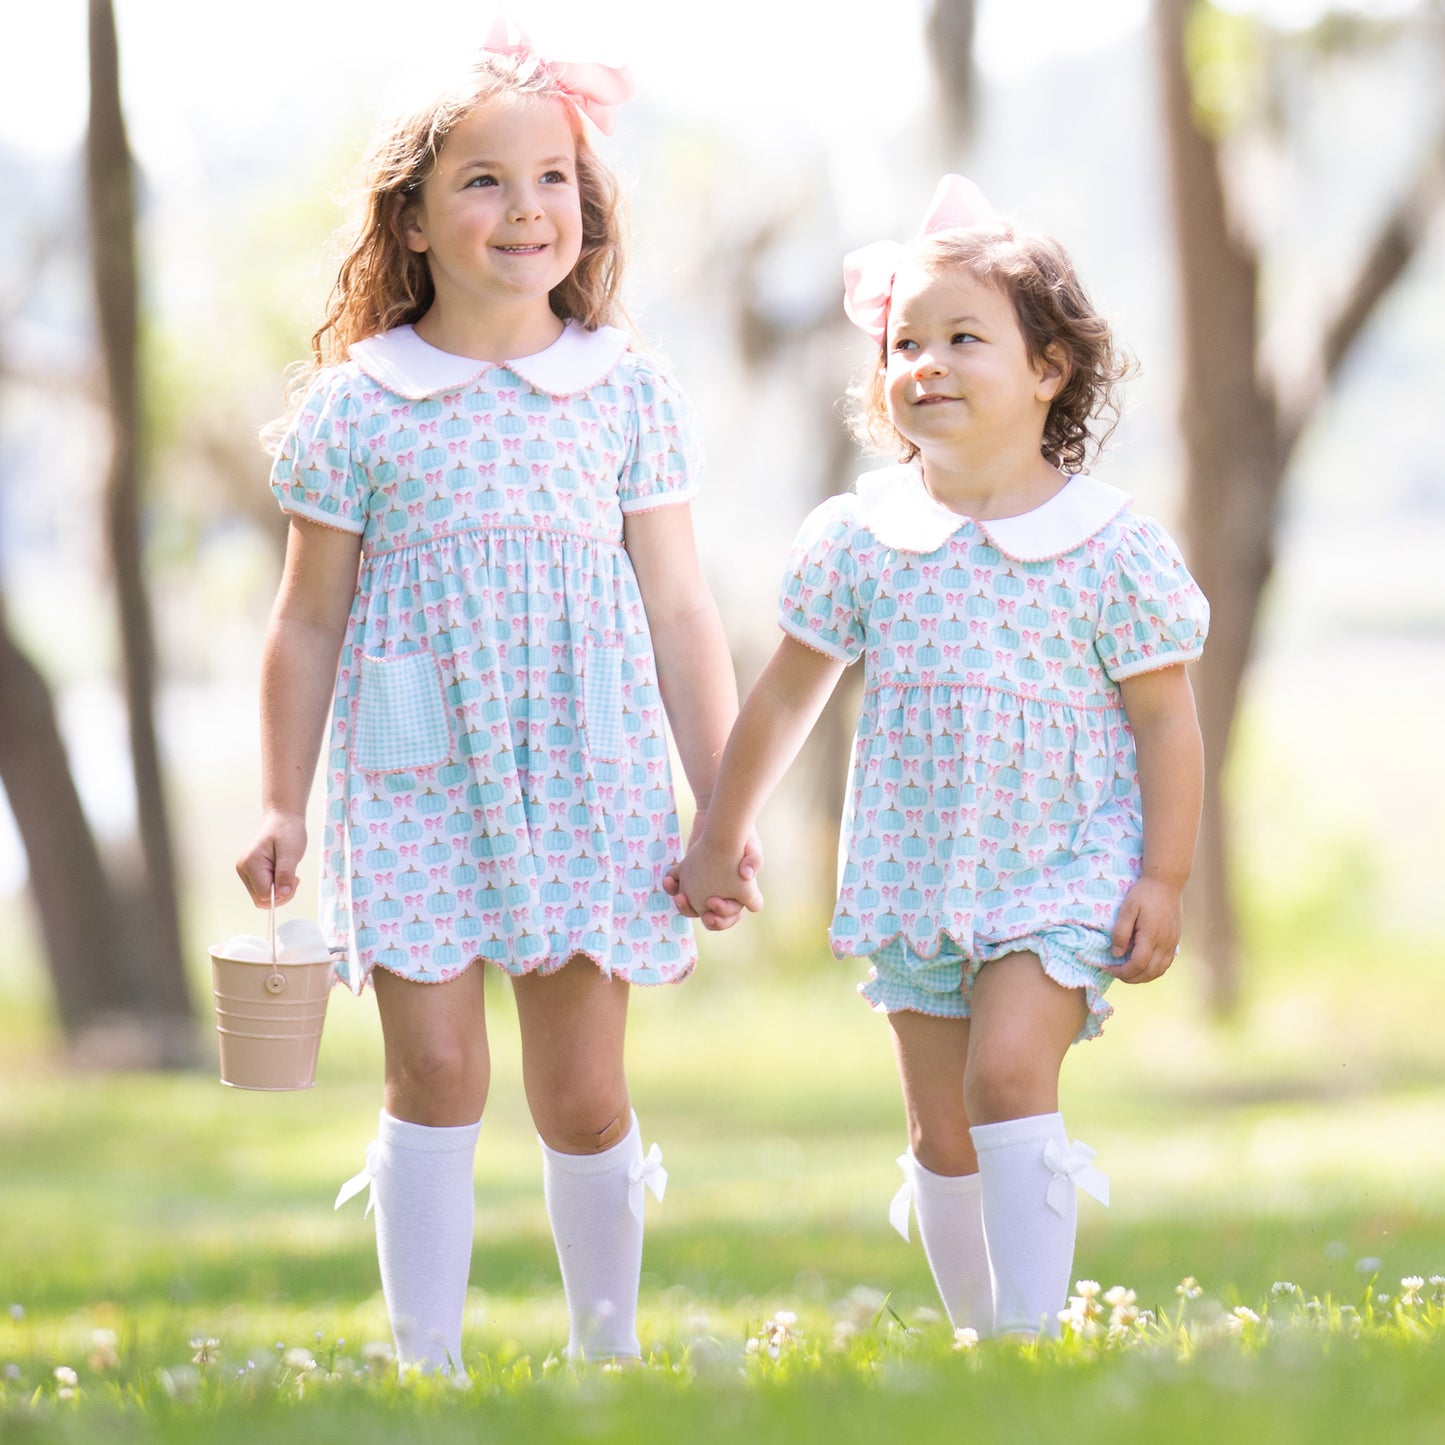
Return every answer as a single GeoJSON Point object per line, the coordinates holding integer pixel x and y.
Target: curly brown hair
{"type": "Point", "coordinates": [382, 284]}
{"type": "Point", "coordinates": [1054, 315]}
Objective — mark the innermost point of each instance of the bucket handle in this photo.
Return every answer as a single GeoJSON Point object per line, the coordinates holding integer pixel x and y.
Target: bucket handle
{"type": "Point", "coordinates": [275, 980]}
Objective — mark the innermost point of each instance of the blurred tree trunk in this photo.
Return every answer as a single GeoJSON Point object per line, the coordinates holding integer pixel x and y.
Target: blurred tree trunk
{"type": "Point", "coordinates": [67, 880]}
{"type": "Point", "coordinates": [1240, 425]}
{"type": "Point", "coordinates": [949, 36]}
{"type": "Point", "coordinates": [158, 977]}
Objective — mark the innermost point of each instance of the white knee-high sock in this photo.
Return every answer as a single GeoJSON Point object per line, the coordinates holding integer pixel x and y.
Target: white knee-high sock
{"type": "Point", "coordinates": [1028, 1173]}
{"type": "Point", "coordinates": [950, 1224]}
{"type": "Point", "coordinates": [594, 1202]}
{"type": "Point", "coordinates": [421, 1188]}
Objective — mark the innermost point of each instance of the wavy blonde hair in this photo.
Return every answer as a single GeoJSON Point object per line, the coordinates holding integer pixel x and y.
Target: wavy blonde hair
{"type": "Point", "coordinates": [1053, 312]}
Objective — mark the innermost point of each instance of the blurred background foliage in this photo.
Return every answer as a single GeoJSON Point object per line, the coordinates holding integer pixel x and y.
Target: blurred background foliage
{"type": "Point", "coordinates": [1287, 287]}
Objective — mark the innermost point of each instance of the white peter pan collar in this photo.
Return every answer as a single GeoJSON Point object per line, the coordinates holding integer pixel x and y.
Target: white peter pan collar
{"type": "Point", "coordinates": [898, 509]}
{"type": "Point", "coordinates": [412, 368]}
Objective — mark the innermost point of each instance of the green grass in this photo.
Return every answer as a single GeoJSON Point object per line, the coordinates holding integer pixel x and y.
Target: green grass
{"type": "Point", "coordinates": [1300, 1144]}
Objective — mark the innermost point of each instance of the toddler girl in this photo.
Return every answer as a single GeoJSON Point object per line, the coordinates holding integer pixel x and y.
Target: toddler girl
{"type": "Point", "coordinates": [490, 593]}
{"type": "Point", "coordinates": [1027, 769]}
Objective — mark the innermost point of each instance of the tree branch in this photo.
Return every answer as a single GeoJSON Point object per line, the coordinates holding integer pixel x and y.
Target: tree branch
{"type": "Point", "coordinates": [1400, 235]}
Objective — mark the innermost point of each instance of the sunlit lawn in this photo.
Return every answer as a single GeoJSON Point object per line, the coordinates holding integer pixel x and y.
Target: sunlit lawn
{"type": "Point", "coordinates": [1302, 1145]}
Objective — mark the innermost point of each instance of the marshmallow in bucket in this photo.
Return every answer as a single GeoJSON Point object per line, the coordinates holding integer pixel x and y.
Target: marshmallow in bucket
{"type": "Point", "coordinates": [298, 940]}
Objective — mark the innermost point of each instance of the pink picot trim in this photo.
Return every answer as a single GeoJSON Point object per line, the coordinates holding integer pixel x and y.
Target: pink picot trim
{"type": "Point", "coordinates": [434, 537]}
{"type": "Point", "coordinates": [659, 503]}
{"type": "Point", "coordinates": [317, 521]}
{"type": "Point", "coordinates": [545, 968]}
{"type": "Point", "coordinates": [1064, 552]}
{"type": "Point", "coordinates": [1100, 1009]}
{"type": "Point", "coordinates": [1157, 663]}
{"type": "Point", "coordinates": [885, 684]}
{"type": "Point", "coordinates": [815, 645]}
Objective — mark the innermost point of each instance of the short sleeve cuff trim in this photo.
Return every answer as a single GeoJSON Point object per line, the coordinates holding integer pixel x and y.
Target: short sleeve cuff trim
{"type": "Point", "coordinates": [1157, 663]}
{"type": "Point", "coordinates": [631, 506]}
{"type": "Point", "coordinates": [813, 641]}
{"type": "Point", "coordinates": [320, 516]}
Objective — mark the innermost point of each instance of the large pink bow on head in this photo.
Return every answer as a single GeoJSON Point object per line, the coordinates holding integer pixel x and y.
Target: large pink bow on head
{"type": "Point", "coordinates": [868, 272]}
{"type": "Point", "coordinates": [596, 90]}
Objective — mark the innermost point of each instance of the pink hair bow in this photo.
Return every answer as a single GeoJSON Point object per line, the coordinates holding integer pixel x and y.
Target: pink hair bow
{"type": "Point", "coordinates": [596, 90]}
{"type": "Point", "coordinates": [868, 272]}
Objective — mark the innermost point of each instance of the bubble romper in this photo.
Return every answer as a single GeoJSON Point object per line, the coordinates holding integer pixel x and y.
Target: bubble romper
{"type": "Point", "coordinates": [993, 805]}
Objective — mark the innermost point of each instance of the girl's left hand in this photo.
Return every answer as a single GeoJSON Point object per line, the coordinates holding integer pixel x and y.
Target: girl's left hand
{"type": "Point", "coordinates": [717, 913]}
{"type": "Point", "coordinates": [1146, 932]}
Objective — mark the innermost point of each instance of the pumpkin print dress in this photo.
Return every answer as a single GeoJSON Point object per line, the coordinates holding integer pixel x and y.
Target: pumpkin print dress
{"type": "Point", "coordinates": [994, 799]}
{"type": "Point", "coordinates": [497, 778]}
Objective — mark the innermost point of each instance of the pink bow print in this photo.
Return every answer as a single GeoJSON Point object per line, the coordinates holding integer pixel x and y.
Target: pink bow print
{"type": "Point", "coordinates": [596, 90]}
{"type": "Point", "coordinates": [868, 272]}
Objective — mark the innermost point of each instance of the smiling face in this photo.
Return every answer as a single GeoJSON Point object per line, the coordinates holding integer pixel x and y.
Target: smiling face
{"type": "Point", "coordinates": [959, 381]}
{"type": "Point", "coordinates": [499, 218]}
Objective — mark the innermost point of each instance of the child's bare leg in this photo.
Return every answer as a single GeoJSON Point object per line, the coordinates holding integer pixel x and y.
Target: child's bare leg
{"type": "Point", "coordinates": [573, 1024]}
{"type": "Point", "coordinates": [940, 1167]}
{"type": "Point", "coordinates": [437, 1070]}
{"type": "Point", "coordinates": [1022, 1026]}
{"type": "Point", "coordinates": [438, 1066]}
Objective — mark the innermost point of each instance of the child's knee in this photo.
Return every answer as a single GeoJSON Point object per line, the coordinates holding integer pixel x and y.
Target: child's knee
{"type": "Point", "coordinates": [1003, 1085]}
{"type": "Point", "coordinates": [582, 1127]}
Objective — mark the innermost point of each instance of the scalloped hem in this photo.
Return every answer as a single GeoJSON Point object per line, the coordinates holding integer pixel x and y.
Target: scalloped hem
{"type": "Point", "coordinates": [549, 965]}
{"type": "Point", "coordinates": [1060, 962]}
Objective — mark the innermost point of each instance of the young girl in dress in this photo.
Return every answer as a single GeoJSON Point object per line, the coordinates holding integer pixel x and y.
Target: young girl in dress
{"type": "Point", "coordinates": [490, 594]}
{"type": "Point", "coordinates": [1027, 769]}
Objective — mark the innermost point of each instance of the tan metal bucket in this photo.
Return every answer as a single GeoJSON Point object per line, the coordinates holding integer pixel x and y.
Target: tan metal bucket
{"type": "Point", "coordinates": [268, 1018]}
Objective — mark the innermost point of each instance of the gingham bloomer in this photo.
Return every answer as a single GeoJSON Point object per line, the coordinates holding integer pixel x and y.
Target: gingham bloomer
{"type": "Point", "coordinates": [994, 797]}
{"type": "Point", "coordinates": [498, 782]}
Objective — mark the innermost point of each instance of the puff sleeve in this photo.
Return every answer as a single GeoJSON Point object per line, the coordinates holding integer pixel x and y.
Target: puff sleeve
{"type": "Point", "coordinates": [315, 473]}
{"type": "Point", "coordinates": [1151, 612]}
{"type": "Point", "coordinates": [664, 455]}
{"type": "Point", "coordinates": [819, 602]}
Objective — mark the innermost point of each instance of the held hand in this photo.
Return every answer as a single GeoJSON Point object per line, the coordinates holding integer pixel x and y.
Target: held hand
{"type": "Point", "coordinates": [721, 912]}
{"type": "Point", "coordinates": [1146, 932]}
{"type": "Point", "coordinates": [273, 859]}
{"type": "Point", "coordinates": [727, 884]}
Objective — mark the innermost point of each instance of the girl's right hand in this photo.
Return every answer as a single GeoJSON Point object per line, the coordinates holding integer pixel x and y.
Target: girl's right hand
{"type": "Point", "coordinates": [273, 858]}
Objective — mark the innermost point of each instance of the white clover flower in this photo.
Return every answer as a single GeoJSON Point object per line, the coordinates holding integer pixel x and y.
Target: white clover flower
{"type": "Point", "coordinates": [965, 1338]}
{"type": "Point", "coordinates": [66, 1376]}
{"type": "Point", "coordinates": [1240, 1318]}
{"type": "Point", "coordinates": [1121, 1302]}
{"type": "Point", "coordinates": [1382, 1299]}
{"type": "Point", "coordinates": [300, 1359]}
{"type": "Point", "coordinates": [1188, 1288]}
{"type": "Point", "coordinates": [207, 1351]}
{"type": "Point", "coordinates": [1080, 1316]}
{"type": "Point", "coordinates": [1411, 1286]}
{"type": "Point", "coordinates": [1284, 1287]}
{"type": "Point", "coordinates": [1088, 1288]}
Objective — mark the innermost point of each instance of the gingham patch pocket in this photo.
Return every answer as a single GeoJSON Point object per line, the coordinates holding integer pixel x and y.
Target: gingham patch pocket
{"type": "Point", "coordinates": [401, 715]}
{"type": "Point", "coordinates": [602, 702]}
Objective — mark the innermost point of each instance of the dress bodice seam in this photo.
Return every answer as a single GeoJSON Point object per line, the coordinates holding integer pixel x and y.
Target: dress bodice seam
{"type": "Point", "coordinates": [369, 554]}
